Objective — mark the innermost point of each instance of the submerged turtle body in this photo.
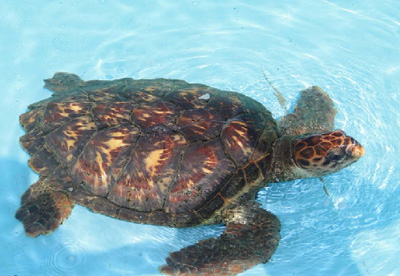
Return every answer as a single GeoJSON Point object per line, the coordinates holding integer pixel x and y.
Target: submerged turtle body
{"type": "Point", "coordinates": [167, 152]}
{"type": "Point", "coordinates": [156, 151]}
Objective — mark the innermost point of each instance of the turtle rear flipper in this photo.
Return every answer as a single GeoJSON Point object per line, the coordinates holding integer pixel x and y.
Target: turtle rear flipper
{"type": "Point", "coordinates": [250, 238]}
{"type": "Point", "coordinates": [314, 112]}
{"type": "Point", "coordinates": [63, 82]}
{"type": "Point", "coordinates": [42, 209]}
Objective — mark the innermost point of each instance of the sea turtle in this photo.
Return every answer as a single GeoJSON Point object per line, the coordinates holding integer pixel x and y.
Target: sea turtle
{"type": "Point", "coordinates": [171, 153]}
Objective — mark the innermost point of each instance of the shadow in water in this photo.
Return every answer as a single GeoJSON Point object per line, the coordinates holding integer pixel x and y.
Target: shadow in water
{"type": "Point", "coordinates": [14, 180]}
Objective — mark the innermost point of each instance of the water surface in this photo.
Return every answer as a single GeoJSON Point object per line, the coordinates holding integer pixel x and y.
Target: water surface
{"type": "Point", "coordinates": [349, 48]}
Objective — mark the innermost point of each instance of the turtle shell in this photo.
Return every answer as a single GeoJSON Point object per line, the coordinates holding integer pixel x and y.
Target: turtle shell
{"type": "Point", "coordinates": [155, 151]}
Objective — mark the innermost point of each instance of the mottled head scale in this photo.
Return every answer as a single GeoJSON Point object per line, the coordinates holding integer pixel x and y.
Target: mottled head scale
{"type": "Point", "coordinates": [325, 153]}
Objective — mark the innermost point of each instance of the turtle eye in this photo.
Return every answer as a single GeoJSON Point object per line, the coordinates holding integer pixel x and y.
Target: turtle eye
{"type": "Point", "coordinates": [336, 154]}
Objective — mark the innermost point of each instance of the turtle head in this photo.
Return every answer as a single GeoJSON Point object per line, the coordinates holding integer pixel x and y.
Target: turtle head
{"type": "Point", "coordinates": [325, 153]}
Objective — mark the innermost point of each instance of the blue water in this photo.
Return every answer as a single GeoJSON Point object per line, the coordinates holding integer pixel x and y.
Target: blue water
{"type": "Point", "coordinates": [350, 48]}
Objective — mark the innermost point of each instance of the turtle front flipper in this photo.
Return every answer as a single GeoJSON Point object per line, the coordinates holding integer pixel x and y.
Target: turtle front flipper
{"type": "Point", "coordinates": [250, 238]}
{"type": "Point", "coordinates": [314, 112]}
{"type": "Point", "coordinates": [42, 209]}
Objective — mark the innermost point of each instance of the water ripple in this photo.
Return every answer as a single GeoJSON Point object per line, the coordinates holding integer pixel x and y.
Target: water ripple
{"type": "Point", "coordinates": [67, 259]}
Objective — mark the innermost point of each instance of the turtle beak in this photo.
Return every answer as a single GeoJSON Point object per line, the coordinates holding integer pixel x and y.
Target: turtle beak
{"type": "Point", "coordinates": [356, 150]}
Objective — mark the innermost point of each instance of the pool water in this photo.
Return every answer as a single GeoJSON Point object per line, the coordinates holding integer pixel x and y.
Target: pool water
{"type": "Point", "coordinates": [349, 48]}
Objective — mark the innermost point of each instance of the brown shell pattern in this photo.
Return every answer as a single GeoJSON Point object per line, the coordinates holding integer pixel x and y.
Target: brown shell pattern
{"type": "Point", "coordinates": [146, 149]}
